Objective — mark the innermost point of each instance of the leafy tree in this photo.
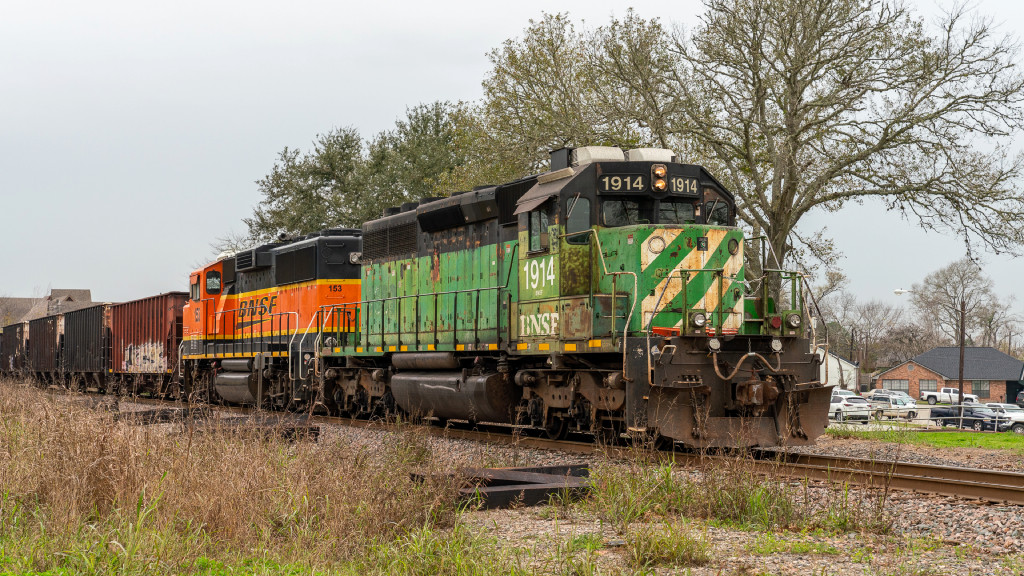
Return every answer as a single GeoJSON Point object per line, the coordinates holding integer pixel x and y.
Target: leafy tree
{"type": "Point", "coordinates": [418, 158]}
{"type": "Point", "coordinates": [796, 105]}
{"type": "Point", "coordinates": [310, 191]}
{"type": "Point", "coordinates": [343, 181]}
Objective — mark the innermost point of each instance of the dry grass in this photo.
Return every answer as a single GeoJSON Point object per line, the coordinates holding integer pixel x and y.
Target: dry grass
{"type": "Point", "coordinates": [83, 492]}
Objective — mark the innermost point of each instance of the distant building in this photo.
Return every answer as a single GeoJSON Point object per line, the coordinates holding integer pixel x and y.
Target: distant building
{"type": "Point", "coordinates": [988, 373]}
{"type": "Point", "coordinates": [59, 300]}
{"type": "Point", "coordinates": [840, 372]}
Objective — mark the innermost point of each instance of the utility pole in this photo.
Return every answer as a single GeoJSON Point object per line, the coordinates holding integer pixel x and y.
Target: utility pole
{"type": "Point", "coordinates": [963, 315]}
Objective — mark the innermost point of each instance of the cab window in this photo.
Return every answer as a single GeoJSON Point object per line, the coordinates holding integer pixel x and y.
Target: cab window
{"type": "Point", "coordinates": [213, 282]}
{"type": "Point", "coordinates": [717, 210]}
{"type": "Point", "coordinates": [193, 289]}
{"type": "Point", "coordinates": [538, 228]}
{"type": "Point", "coordinates": [676, 212]}
{"type": "Point", "coordinates": [577, 220]}
{"type": "Point", "coordinates": [717, 213]}
{"type": "Point", "coordinates": [625, 212]}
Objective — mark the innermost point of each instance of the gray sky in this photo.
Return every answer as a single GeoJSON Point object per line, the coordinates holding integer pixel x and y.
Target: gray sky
{"type": "Point", "coordinates": [131, 133]}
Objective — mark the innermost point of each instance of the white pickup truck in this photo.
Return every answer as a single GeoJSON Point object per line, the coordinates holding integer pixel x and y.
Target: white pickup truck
{"type": "Point", "coordinates": [947, 395]}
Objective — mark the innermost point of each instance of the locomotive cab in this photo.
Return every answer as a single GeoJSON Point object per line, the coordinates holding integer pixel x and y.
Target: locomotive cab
{"type": "Point", "coordinates": [638, 255]}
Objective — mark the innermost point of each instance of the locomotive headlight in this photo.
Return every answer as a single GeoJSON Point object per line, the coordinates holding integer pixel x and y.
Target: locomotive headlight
{"type": "Point", "coordinates": [660, 185]}
{"type": "Point", "coordinates": [659, 171]}
{"type": "Point", "coordinates": [793, 320]}
{"type": "Point", "coordinates": [734, 246]}
{"type": "Point", "coordinates": [699, 319]}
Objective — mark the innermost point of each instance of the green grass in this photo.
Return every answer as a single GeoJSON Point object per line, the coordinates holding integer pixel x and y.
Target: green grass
{"type": "Point", "coordinates": [726, 493]}
{"type": "Point", "coordinates": [991, 441]}
{"type": "Point", "coordinates": [669, 544]}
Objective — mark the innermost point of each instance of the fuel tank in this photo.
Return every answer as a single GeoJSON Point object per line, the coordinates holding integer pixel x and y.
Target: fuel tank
{"type": "Point", "coordinates": [484, 398]}
{"type": "Point", "coordinates": [236, 387]}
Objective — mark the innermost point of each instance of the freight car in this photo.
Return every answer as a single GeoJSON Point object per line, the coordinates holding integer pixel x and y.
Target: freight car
{"type": "Point", "coordinates": [608, 295]}
{"type": "Point", "coordinates": [86, 347]}
{"type": "Point", "coordinates": [47, 337]}
{"type": "Point", "coordinates": [14, 348]}
{"type": "Point", "coordinates": [145, 338]}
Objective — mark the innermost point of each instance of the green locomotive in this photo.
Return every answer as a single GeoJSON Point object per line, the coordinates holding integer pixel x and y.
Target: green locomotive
{"type": "Point", "coordinates": [608, 295]}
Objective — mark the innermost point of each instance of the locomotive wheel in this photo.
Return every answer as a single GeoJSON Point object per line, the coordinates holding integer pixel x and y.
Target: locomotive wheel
{"type": "Point", "coordinates": [556, 428]}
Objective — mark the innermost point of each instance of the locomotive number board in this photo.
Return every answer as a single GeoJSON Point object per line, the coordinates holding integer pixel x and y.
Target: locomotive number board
{"type": "Point", "coordinates": [639, 183]}
{"type": "Point", "coordinates": [622, 183]}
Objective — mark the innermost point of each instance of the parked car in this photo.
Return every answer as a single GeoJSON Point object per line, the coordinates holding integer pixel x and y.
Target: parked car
{"type": "Point", "coordinates": [841, 392]}
{"type": "Point", "coordinates": [946, 396]}
{"type": "Point", "coordinates": [871, 395]}
{"type": "Point", "coordinates": [849, 408]}
{"type": "Point", "coordinates": [1020, 399]}
{"type": "Point", "coordinates": [1011, 412]}
{"type": "Point", "coordinates": [976, 417]}
{"type": "Point", "coordinates": [894, 407]}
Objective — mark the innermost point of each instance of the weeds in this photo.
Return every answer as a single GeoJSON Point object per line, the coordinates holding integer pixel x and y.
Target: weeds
{"type": "Point", "coordinates": [85, 493]}
{"type": "Point", "coordinates": [667, 544]}
{"type": "Point", "coordinates": [427, 552]}
{"type": "Point", "coordinates": [727, 491]}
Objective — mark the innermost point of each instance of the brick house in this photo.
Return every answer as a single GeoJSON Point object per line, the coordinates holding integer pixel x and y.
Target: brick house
{"type": "Point", "coordinates": [988, 373]}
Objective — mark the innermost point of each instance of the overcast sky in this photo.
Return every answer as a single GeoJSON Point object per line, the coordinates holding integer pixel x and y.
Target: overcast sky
{"type": "Point", "coordinates": [131, 133]}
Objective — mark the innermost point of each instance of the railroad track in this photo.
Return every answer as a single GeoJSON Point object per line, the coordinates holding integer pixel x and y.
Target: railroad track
{"type": "Point", "coordinates": [986, 485]}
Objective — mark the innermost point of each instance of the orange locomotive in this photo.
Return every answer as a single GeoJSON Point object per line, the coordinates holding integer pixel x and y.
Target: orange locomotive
{"type": "Point", "coordinates": [254, 320]}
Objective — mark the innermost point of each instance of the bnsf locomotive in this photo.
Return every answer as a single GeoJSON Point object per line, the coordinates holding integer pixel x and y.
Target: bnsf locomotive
{"type": "Point", "coordinates": [608, 295]}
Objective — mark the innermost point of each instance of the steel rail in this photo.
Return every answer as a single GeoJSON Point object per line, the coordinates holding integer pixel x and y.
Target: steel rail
{"type": "Point", "coordinates": [998, 486]}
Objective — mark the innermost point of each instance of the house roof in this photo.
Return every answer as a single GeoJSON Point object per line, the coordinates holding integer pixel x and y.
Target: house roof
{"type": "Point", "coordinates": [981, 363]}
{"type": "Point", "coordinates": [72, 294]}
{"type": "Point", "coordinates": [59, 300]}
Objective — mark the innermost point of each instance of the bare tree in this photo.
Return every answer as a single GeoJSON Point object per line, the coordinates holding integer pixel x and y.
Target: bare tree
{"type": "Point", "coordinates": [995, 319]}
{"type": "Point", "coordinates": [232, 242]}
{"type": "Point", "coordinates": [796, 105]}
{"type": "Point", "coordinates": [941, 296]}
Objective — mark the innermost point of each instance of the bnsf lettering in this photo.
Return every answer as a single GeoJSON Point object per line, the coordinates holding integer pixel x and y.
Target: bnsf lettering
{"type": "Point", "coordinates": [538, 324]}
{"type": "Point", "coordinates": [257, 306]}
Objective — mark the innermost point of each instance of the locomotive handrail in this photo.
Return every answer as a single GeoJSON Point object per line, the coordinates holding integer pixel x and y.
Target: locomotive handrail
{"type": "Point", "coordinates": [266, 318]}
{"type": "Point", "coordinates": [435, 295]}
{"type": "Point", "coordinates": [685, 283]}
{"type": "Point", "coordinates": [304, 334]}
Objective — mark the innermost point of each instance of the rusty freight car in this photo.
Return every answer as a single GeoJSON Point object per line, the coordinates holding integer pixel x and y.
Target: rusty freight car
{"type": "Point", "coordinates": [145, 336]}
{"type": "Point", "coordinates": [14, 349]}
